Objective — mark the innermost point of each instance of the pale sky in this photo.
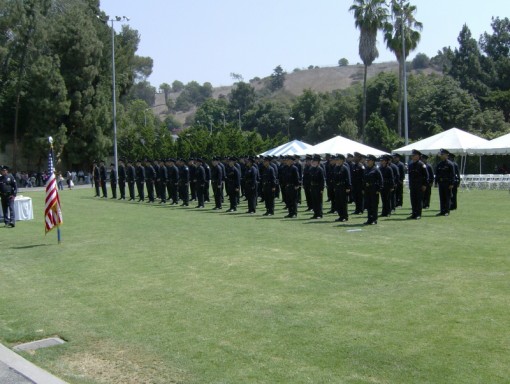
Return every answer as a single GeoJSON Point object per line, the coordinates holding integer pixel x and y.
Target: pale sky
{"type": "Point", "coordinates": [206, 40]}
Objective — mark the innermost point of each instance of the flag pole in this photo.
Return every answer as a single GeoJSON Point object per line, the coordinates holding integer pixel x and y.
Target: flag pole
{"type": "Point", "coordinates": [50, 139]}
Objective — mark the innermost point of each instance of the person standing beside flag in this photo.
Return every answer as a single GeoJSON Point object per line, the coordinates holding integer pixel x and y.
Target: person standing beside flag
{"type": "Point", "coordinates": [8, 190]}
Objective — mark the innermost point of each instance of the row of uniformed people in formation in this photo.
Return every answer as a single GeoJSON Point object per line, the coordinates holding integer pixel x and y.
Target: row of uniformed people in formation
{"type": "Point", "coordinates": [353, 179]}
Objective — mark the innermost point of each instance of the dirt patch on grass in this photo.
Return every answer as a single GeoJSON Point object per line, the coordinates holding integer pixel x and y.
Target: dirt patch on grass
{"type": "Point", "coordinates": [126, 367]}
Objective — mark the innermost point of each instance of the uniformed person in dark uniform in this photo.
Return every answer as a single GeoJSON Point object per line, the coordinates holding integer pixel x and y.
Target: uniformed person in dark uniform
{"type": "Point", "coordinates": [251, 184]}
{"type": "Point", "coordinates": [150, 180]}
{"type": "Point", "coordinates": [131, 179]}
{"type": "Point", "coordinates": [199, 182]}
{"type": "Point", "coordinates": [172, 181]}
{"type": "Point", "coordinates": [388, 184]}
{"type": "Point", "coordinates": [317, 184]}
{"type": "Point", "coordinates": [122, 179]}
{"type": "Point", "coordinates": [183, 182]}
{"type": "Point", "coordinates": [372, 183]}
{"type": "Point", "coordinates": [140, 180]}
{"type": "Point", "coordinates": [444, 180]}
{"type": "Point", "coordinates": [399, 189]}
{"type": "Point", "coordinates": [396, 180]}
{"type": "Point", "coordinates": [307, 182]}
{"type": "Point", "coordinates": [207, 170]}
{"type": "Point", "coordinates": [292, 184]}
{"type": "Point", "coordinates": [8, 191]}
{"type": "Point", "coordinates": [456, 183]}
{"type": "Point", "coordinates": [330, 185]}
{"type": "Point", "coordinates": [233, 179]}
{"type": "Point", "coordinates": [162, 180]}
{"type": "Point", "coordinates": [113, 180]}
{"type": "Point", "coordinates": [299, 166]}
{"type": "Point", "coordinates": [342, 183]}
{"type": "Point", "coordinates": [357, 172]}
{"type": "Point", "coordinates": [268, 186]}
{"type": "Point", "coordinates": [96, 178]}
{"type": "Point", "coordinates": [102, 178]}
{"type": "Point", "coordinates": [418, 177]}
{"type": "Point", "coordinates": [430, 182]}
{"type": "Point", "coordinates": [217, 177]}
{"type": "Point", "coordinates": [155, 165]}
{"type": "Point", "coordinates": [192, 168]}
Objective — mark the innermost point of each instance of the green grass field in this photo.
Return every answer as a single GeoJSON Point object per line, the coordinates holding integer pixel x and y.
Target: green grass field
{"type": "Point", "coordinates": [166, 294]}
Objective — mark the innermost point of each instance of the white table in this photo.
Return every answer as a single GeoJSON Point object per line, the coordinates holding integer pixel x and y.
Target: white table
{"type": "Point", "coordinates": [23, 209]}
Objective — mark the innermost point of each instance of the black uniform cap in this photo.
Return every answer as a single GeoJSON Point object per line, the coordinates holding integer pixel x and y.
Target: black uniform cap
{"type": "Point", "coordinates": [443, 151]}
{"type": "Point", "coordinates": [316, 158]}
{"type": "Point", "coordinates": [371, 157]}
{"type": "Point", "coordinates": [340, 157]}
{"type": "Point", "coordinates": [5, 168]}
{"type": "Point", "coordinates": [415, 152]}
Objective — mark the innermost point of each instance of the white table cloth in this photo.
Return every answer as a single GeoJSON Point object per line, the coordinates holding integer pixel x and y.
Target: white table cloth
{"type": "Point", "coordinates": [23, 208]}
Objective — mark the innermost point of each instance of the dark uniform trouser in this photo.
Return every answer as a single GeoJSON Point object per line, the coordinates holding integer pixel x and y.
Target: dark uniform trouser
{"type": "Point", "coordinates": [357, 192]}
{"type": "Point", "coordinates": [426, 195]}
{"type": "Point", "coordinates": [341, 198]}
{"type": "Point", "coordinates": [416, 200]}
{"type": "Point", "coordinates": [199, 188]}
{"type": "Point", "coordinates": [206, 191]}
{"type": "Point", "coordinates": [386, 201]}
{"type": "Point", "coordinates": [331, 195]}
{"type": "Point", "coordinates": [217, 194]}
{"type": "Point", "coordinates": [269, 199]}
{"type": "Point", "coordinates": [393, 199]}
{"type": "Point", "coordinates": [184, 193]}
{"type": "Point", "coordinates": [122, 189]}
{"type": "Point", "coordinates": [250, 191]}
{"type": "Point", "coordinates": [233, 197]}
{"type": "Point", "coordinates": [141, 190]}
{"type": "Point", "coordinates": [372, 205]}
{"type": "Point", "coordinates": [308, 196]}
{"type": "Point", "coordinates": [113, 185]}
{"type": "Point", "coordinates": [131, 188]}
{"type": "Point", "coordinates": [316, 193]}
{"type": "Point", "coordinates": [292, 199]}
{"type": "Point", "coordinates": [8, 207]}
{"type": "Point", "coordinates": [445, 197]}
{"type": "Point", "coordinates": [150, 190]}
{"type": "Point", "coordinates": [103, 188]}
{"type": "Point", "coordinates": [96, 185]}
{"type": "Point", "coordinates": [399, 194]}
{"type": "Point", "coordinates": [162, 191]}
{"type": "Point", "coordinates": [453, 204]}
{"type": "Point", "coordinates": [173, 191]}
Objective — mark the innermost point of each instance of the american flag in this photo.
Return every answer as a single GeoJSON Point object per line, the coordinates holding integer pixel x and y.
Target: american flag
{"type": "Point", "coordinates": [52, 211]}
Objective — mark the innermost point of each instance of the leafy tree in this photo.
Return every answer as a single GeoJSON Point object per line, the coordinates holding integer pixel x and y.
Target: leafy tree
{"type": "Point", "coordinates": [236, 76]}
{"type": "Point", "coordinates": [241, 98]}
{"type": "Point", "coordinates": [268, 117]}
{"type": "Point", "coordinates": [277, 79]}
{"type": "Point", "coordinates": [382, 98]}
{"type": "Point", "coordinates": [369, 17]}
{"type": "Point", "coordinates": [343, 62]}
{"type": "Point", "coordinates": [166, 89]}
{"type": "Point", "coordinates": [377, 132]}
{"type": "Point", "coordinates": [467, 65]}
{"type": "Point", "coordinates": [421, 61]}
{"type": "Point", "coordinates": [177, 86]}
{"type": "Point", "coordinates": [443, 60]}
{"type": "Point", "coordinates": [143, 90]}
{"type": "Point", "coordinates": [172, 123]}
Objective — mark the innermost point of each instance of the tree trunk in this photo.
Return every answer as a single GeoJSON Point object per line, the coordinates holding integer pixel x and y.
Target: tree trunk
{"type": "Point", "coordinates": [400, 78]}
{"type": "Point", "coordinates": [364, 107]}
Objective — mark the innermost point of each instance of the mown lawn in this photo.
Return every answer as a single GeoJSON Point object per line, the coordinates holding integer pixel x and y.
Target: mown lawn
{"type": "Point", "coordinates": [164, 294]}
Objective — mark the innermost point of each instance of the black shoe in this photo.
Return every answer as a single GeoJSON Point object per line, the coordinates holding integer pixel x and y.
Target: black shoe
{"type": "Point", "coordinates": [385, 215]}
{"type": "Point", "coordinates": [11, 225]}
{"type": "Point", "coordinates": [199, 206]}
{"type": "Point", "coordinates": [412, 217]}
{"type": "Point", "coordinates": [370, 223]}
{"type": "Point", "coordinates": [331, 211]}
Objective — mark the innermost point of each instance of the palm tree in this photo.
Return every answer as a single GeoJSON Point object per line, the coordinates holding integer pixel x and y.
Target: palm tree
{"type": "Point", "coordinates": [403, 20]}
{"type": "Point", "coordinates": [369, 17]}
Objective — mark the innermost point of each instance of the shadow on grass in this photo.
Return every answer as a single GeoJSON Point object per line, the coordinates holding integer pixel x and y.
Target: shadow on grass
{"type": "Point", "coordinates": [30, 246]}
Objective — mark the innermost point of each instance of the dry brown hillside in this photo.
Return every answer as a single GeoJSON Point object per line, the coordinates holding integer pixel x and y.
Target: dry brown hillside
{"type": "Point", "coordinates": [324, 79]}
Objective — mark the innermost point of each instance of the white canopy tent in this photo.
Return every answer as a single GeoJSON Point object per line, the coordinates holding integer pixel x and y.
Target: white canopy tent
{"type": "Point", "coordinates": [497, 146]}
{"type": "Point", "coordinates": [290, 148]}
{"type": "Point", "coordinates": [340, 144]}
{"type": "Point", "coordinates": [454, 140]}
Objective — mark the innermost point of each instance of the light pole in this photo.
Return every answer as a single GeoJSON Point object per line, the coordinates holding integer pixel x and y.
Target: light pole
{"type": "Point", "coordinates": [404, 75]}
{"type": "Point", "coordinates": [145, 116]}
{"type": "Point", "coordinates": [223, 115]}
{"type": "Point", "coordinates": [239, 112]}
{"type": "Point", "coordinates": [288, 126]}
{"type": "Point", "coordinates": [114, 112]}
